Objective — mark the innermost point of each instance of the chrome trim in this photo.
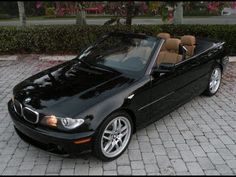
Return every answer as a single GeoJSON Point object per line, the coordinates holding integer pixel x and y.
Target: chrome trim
{"type": "Point", "coordinates": [131, 96]}
{"type": "Point", "coordinates": [155, 101]}
{"type": "Point", "coordinates": [154, 58]}
{"type": "Point", "coordinates": [21, 108]}
{"type": "Point", "coordinates": [37, 114]}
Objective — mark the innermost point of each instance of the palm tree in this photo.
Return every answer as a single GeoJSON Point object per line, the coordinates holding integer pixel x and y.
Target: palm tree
{"type": "Point", "coordinates": [178, 13]}
{"type": "Point", "coordinates": [81, 16]}
{"type": "Point", "coordinates": [21, 8]}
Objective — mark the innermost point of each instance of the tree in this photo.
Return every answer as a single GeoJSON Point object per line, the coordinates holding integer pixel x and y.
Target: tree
{"type": "Point", "coordinates": [61, 8]}
{"type": "Point", "coordinates": [130, 12]}
{"type": "Point", "coordinates": [122, 10]}
{"type": "Point", "coordinates": [22, 16]}
{"type": "Point", "coordinates": [167, 14]}
{"type": "Point", "coordinates": [178, 13]}
{"type": "Point", "coordinates": [81, 15]}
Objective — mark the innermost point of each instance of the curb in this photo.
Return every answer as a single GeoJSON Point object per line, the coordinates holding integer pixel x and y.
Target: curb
{"type": "Point", "coordinates": [8, 57]}
{"type": "Point", "coordinates": [62, 58]}
{"type": "Point", "coordinates": [232, 59]}
{"type": "Point", "coordinates": [57, 57]}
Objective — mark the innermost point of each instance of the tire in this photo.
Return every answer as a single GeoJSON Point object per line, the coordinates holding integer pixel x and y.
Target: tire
{"type": "Point", "coordinates": [105, 142]}
{"type": "Point", "coordinates": [214, 81]}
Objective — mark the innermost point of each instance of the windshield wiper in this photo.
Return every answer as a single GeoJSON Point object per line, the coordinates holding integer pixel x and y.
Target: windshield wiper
{"type": "Point", "coordinates": [84, 62]}
{"type": "Point", "coordinates": [106, 68]}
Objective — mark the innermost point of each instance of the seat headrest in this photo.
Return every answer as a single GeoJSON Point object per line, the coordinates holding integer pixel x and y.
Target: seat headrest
{"type": "Point", "coordinates": [172, 44]}
{"type": "Point", "coordinates": [164, 35]}
{"type": "Point", "coordinates": [188, 40]}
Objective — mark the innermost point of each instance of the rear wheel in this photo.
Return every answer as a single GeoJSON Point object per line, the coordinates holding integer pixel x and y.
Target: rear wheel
{"type": "Point", "coordinates": [214, 81]}
{"type": "Point", "coordinates": [113, 136]}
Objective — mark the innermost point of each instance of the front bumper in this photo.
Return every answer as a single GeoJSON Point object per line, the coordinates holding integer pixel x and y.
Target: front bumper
{"type": "Point", "coordinates": [52, 141]}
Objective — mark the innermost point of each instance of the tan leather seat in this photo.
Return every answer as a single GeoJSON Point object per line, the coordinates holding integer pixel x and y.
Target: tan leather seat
{"type": "Point", "coordinates": [189, 42]}
{"type": "Point", "coordinates": [164, 36]}
{"type": "Point", "coordinates": [171, 55]}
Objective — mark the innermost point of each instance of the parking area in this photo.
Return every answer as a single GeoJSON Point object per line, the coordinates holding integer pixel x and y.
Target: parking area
{"type": "Point", "coordinates": [198, 138]}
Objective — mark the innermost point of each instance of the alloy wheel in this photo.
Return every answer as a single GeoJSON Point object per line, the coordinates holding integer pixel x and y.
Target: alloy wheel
{"type": "Point", "coordinates": [116, 136]}
{"type": "Point", "coordinates": [215, 80]}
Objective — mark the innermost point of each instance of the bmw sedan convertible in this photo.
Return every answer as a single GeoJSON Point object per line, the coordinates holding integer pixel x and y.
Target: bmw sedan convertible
{"type": "Point", "coordinates": [121, 83]}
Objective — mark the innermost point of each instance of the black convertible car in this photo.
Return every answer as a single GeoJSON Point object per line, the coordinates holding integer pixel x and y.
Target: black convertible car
{"type": "Point", "coordinates": [121, 83]}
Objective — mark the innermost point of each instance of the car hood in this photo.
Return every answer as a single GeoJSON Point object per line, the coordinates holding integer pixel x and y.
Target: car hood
{"type": "Point", "coordinates": [67, 90]}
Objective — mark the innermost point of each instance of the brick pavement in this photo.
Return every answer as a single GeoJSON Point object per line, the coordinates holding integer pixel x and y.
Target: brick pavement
{"type": "Point", "coordinates": [197, 138]}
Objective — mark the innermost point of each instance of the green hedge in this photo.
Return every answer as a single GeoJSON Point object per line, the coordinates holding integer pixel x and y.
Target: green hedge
{"type": "Point", "coordinates": [70, 39]}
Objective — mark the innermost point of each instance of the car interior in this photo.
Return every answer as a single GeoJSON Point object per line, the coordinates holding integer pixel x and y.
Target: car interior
{"type": "Point", "coordinates": [181, 48]}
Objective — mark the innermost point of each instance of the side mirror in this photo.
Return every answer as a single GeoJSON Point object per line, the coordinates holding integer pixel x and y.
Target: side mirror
{"type": "Point", "coordinates": [164, 68]}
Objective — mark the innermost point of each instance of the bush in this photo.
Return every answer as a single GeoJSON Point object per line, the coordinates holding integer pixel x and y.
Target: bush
{"type": "Point", "coordinates": [70, 39]}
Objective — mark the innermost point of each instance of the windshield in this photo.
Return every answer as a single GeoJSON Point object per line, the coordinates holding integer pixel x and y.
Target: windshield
{"type": "Point", "coordinates": [125, 53]}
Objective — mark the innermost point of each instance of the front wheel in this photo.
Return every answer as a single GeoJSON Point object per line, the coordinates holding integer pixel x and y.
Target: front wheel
{"type": "Point", "coordinates": [214, 81]}
{"type": "Point", "coordinates": [113, 136]}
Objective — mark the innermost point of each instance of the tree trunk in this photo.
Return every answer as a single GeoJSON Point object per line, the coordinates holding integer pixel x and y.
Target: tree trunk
{"type": "Point", "coordinates": [81, 17]}
{"type": "Point", "coordinates": [22, 16]}
{"type": "Point", "coordinates": [129, 15]}
{"type": "Point", "coordinates": [178, 13]}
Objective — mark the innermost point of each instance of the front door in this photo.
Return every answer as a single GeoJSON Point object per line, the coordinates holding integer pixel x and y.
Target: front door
{"type": "Point", "coordinates": [169, 90]}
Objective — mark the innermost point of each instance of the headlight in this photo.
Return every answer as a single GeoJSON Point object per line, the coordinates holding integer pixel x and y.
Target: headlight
{"type": "Point", "coordinates": [58, 122]}
{"type": "Point", "coordinates": [71, 123]}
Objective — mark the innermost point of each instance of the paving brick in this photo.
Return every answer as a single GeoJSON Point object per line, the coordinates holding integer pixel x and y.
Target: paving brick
{"type": "Point", "coordinates": [123, 160]}
{"type": "Point", "coordinates": [81, 169]}
{"type": "Point", "coordinates": [199, 137]}
{"type": "Point", "coordinates": [151, 168]}
{"type": "Point", "coordinates": [9, 171]}
{"type": "Point", "coordinates": [226, 139]}
{"type": "Point", "coordinates": [53, 167]}
{"type": "Point", "coordinates": [39, 170]}
{"type": "Point", "coordinates": [138, 172]}
{"type": "Point", "coordinates": [179, 165]}
{"type": "Point", "coordinates": [163, 161]}
{"type": "Point", "coordinates": [135, 165]}
{"type": "Point", "coordinates": [169, 144]}
{"type": "Point", "coordinates": [187, 156]}
{"type": "Point", "coordinates": [217, 143]}
{"type": "Point", "coordinates": [205, 163]}
{"type": "Point", "coordinates": [216, 158]}
{"type": "Point", "coordinates": [135, 155]}
{"type": "Point", "coordinates": [231, 163]}
{"type": "Point", "coordinates": [96, 171]}
{"type": "Point", "coordinates": [226, 154]}
{"type": "Point", "coordinates": [212, 172]}
{"type": "Point", "coordinates": [173, 153]}
{"type": "Point", "coordinates": [148, 157]}
{"type": "Point", "coordinates": [194, 168]}
{"type": "Point", "coordinates": [110, 173]}
{"type": "Point", "coordinates": [182, 147]}
{"type": "Point", "coordinates": [124, 170]}
{"type": "Point", "coordinates": [109, 166]}
{"type": "Point", "coordinates": [159, 150]}
{"type": "Point", "coordinates": [198, 151]}
{"type": "Point", "coordinates": [178, 139]}
{"type": "Point", "coordinates": [207, 147]}
{"type": "Point", "coordinates": [67, 171]}
{"type": "Point", "coordinates": [145, 147]}
{"type": "Point", "coordinates": [224, 169]}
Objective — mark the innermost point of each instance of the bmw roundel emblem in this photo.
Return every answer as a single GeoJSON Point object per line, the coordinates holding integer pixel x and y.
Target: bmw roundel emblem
{"type": "Point", "coordinates": [27, 100]}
